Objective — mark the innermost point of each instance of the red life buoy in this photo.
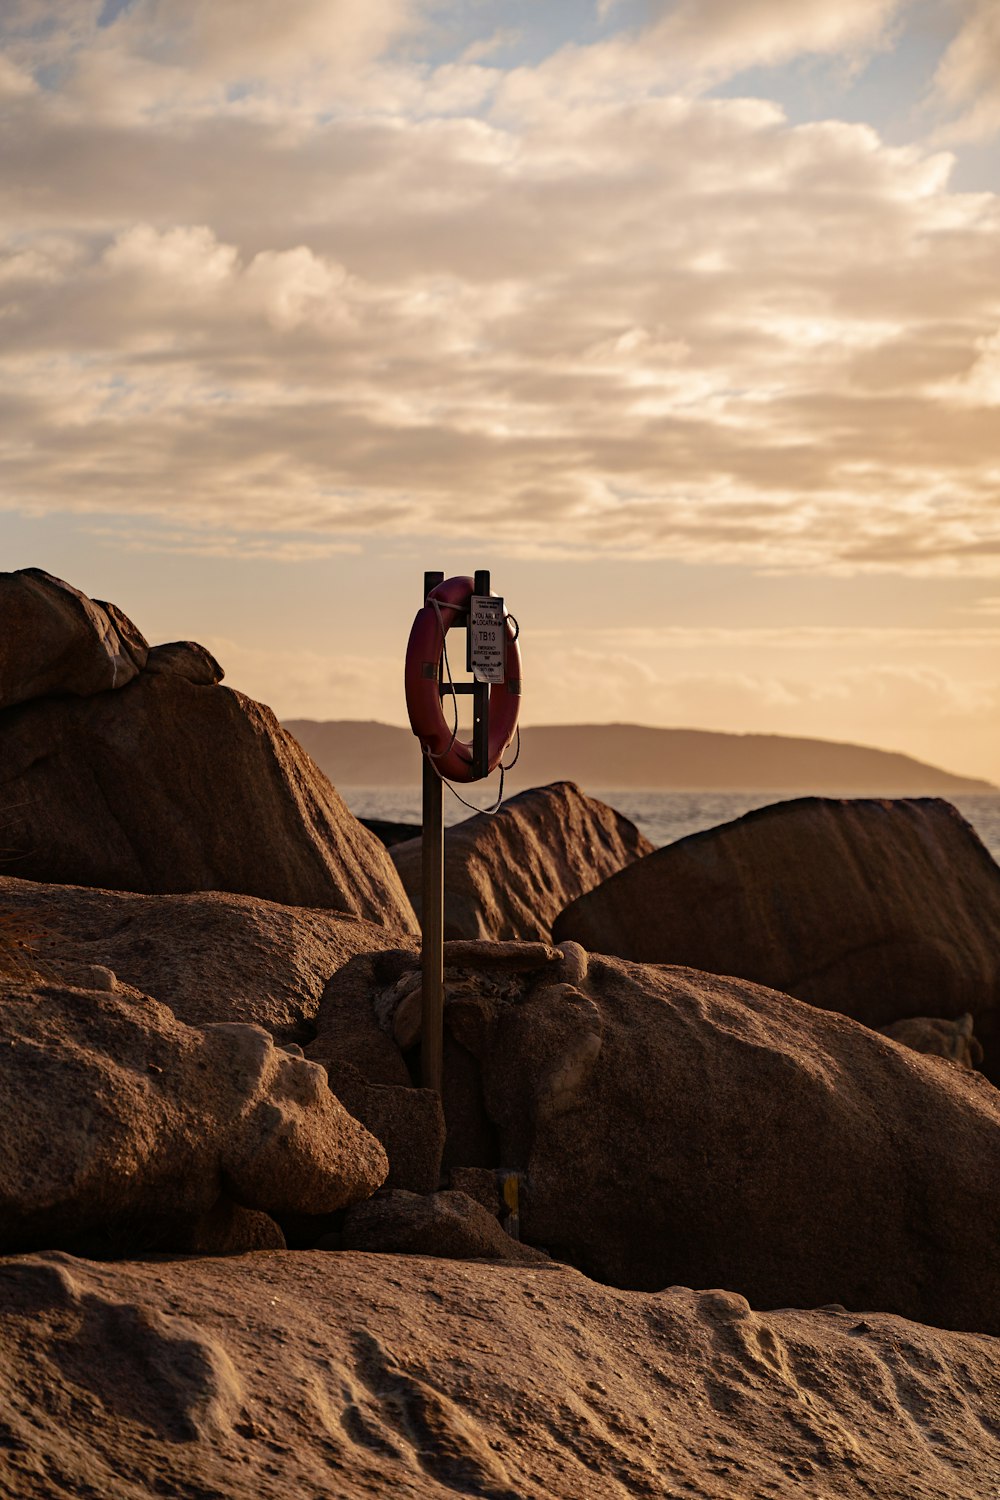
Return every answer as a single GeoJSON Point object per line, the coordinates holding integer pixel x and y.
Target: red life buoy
{"type": "Point", "coordinates": [447, 605]}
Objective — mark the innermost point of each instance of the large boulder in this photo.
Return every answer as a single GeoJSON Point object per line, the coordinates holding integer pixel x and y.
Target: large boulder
{"type": "Point", "coordinates": [123, 1128]}
{"type": "Point", "coordinates": [171, 785]}
{"type": "Point", "coordinates": [357, 1375]}
{"type": "Point", "coordinates": [671, 1126]}
{"type": "Point", "coordinates": [209, 955]}
{"type": "Point", "coordinates": [53, 639]}
{"type": "Point", "coordinates": [509, 874]}
{"type": "Point", "coordinates": [877, 909]}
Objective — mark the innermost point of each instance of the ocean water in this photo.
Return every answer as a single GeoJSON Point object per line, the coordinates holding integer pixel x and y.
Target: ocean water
{"type": "Point", "coordinates": [662, 816]}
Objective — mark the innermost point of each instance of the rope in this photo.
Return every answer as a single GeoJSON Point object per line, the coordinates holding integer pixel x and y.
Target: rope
{"type": "Point", "coordinates": [512, 763]}
{"type": "Point", "coordinates": [487, 812]}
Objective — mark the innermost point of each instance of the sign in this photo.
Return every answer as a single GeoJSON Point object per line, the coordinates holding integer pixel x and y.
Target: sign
{"type": "Point", "coordinates": [487, 637]}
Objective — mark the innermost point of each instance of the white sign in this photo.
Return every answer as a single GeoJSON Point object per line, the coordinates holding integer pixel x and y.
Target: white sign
{"type": "Point", "coordinates": [487, 634]}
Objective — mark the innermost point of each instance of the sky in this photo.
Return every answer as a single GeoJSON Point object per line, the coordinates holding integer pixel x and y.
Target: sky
{"type": "Point", "coordinates": [680, 316]}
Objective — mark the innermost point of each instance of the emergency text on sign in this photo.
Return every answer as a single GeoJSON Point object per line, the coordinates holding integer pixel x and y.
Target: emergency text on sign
{"type": "Point", "coordinates": [488, 637]}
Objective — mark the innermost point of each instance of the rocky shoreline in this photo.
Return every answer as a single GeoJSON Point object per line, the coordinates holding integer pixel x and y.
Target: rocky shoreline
{"type": "Point", "coordinates": [688, 1219]}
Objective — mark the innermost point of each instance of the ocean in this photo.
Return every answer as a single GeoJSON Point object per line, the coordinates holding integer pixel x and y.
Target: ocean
{"type": "Point", "coordinates": [662, 816]}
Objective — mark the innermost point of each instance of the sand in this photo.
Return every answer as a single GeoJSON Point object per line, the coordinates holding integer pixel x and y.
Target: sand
{"type": "Point", "coordinates": [319, 1375]}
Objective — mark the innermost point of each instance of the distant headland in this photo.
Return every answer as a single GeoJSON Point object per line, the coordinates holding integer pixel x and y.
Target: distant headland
{"type": "Point", "coordinates": [365, 753]}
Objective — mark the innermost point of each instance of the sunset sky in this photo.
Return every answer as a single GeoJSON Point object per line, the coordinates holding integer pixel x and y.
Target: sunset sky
{"type": "Point", "coordinates": [682, 317]}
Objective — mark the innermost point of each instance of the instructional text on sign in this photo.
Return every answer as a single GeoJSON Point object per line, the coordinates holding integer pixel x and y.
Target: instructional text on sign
{"type": "Point", "coordinates": [487, 635]}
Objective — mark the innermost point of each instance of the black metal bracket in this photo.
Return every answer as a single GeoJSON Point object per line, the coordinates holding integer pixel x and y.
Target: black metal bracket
{"type": "Point", "coordinates": [480, 696]}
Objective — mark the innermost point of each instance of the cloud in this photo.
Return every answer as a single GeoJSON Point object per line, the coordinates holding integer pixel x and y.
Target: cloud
{"type": "Point", "coordinates": [967, 80]}
{"type": "Point", "coordinates": [581, 322]}
{"type": "Point", "coordinates": [173, 48]}
{"type": "Point", "coordinates": [874, 640]}
{"type": "Point", "coordinates": [990, 605]}
{"type": "Point", "coordinates": [305, 684]}
{"type": "Point", "coordinates": [689, 46]}
{"type": "Point", "coordinates": [14, 82]}
{"type": "Point", "coordinates": [155, 63]}
{"type": "Point", "coordinates": [930, 713]}
{"type": "Point", "coordinates": [255, 39]}
{"type": "Point", "coordinates": [717, 38]}
{"type": "Point", "coordinates": [186, 261]}
{"type": "Point", "coordinates": [978, 385]}
{"type": "Point", "coordinates": [865, 698]}
{"type": "Point", "coordinates": [210, 542]}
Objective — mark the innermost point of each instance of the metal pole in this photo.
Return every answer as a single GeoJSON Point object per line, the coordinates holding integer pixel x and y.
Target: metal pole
{"type": "Point", "coordinates": [480, 701]}
{"type": "Point", "coordinates": [432, 916]}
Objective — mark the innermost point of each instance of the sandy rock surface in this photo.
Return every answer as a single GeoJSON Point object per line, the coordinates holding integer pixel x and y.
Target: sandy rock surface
{"type": "Point", "coordinates": [122, 1126]}
{"type": "Point", "coordinates": [679, 1127]}
{"type": "Point", "coordinates": [228, 1229]}
{"type": "Point", "coordinates": [170, 786]}
{"type": "Point", "coordinates": [448, 1224]}
{"type": "Point", "coordinates": [352, 1375]}
{"type": "Point", "coordinates": [53, 639]}
{"type": "Point", "coordinates": [407, 1121]}
{"type": "Point", "coordinates": [877, 909]}
{"type": "Point", "coordinates": [509, 875]}
{"type": "Point", "coordinates": [209, 955]}
{"type": "Point", "coordinates": [348, 1025]}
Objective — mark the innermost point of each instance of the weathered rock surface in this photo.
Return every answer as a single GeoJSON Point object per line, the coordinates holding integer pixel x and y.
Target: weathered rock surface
{"type": "Point", "coordinates": [122, 1127]}
{"type": "Point", "coordinates": [168, 786]}
{"type": "Point", "coordinates": [448, 1224]}
{"type": "Point", "coordinates": [368, 1032]}
{"type": "Point", "coordinates": [678, 1127]}
{"type": "Point", "coordinates": [53, 639]}
{"type": "Point", "coordinates": [509, 875]}
{"type": "Point", "coordinates": [480, 1183]}
{"type": "Point", "coordinates": [209, 955]}
{"type": "Point", "coordinates": [357, 1375]}
{"type": "Point", "coordinates": [877, 909]}
{"type": "Point", "coordinates": [131, 637]}
{"type": "Point", "coordinates": [228, 1229]}
{"type": "Point", "coordinates": [188, 660]}
{"type": "Point", "coordinates": [408, 1123]}
{"type": "Point", "coordinates": [938, 1038]}
{"type": "Point", "coordinates": [348, 1028]}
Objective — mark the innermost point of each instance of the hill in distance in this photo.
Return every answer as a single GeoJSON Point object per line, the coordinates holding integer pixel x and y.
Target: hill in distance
{"type": "Point", "coordinates": [356, 752]}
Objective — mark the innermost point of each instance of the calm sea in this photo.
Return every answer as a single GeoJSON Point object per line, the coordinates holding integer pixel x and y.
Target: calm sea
{"type": "Point", "coordinates": [662, 816]}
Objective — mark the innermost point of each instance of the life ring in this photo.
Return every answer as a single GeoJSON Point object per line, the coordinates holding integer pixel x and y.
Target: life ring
{"type": "Point", "coordinates": [447, 605]}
